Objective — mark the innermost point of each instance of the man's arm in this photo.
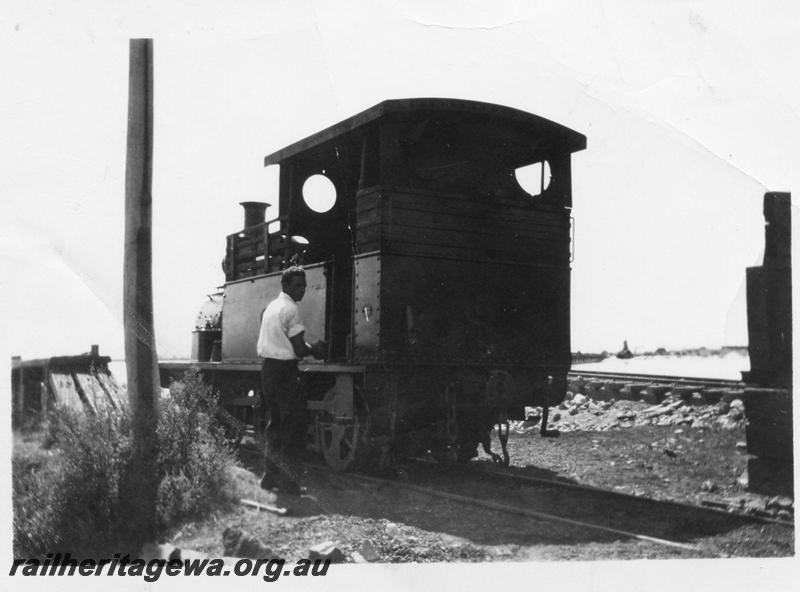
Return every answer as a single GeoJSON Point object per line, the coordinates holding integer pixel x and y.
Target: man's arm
{"type": "Point", "coordinates": [302, 349]}
{"type": "Point", "coordinates": [299, 345]}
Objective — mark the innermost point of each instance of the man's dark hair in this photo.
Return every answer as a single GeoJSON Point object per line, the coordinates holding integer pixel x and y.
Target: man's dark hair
{"type": "Point", "coordinates": [290, 272]}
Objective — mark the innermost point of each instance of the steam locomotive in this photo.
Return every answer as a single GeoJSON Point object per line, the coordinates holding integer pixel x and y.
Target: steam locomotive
{"type": "Point", "coordinates": [438, 272]}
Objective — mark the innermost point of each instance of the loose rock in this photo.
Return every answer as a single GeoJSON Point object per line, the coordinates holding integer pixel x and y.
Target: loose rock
{"type": "Point", "coordinates": [708, 485]}
{"type": "Point", "coordinates": [697, 399]}
{"type": "Point", "coordinates": [326, 550]}
{"type": "Point", "coordinates": [726, 422]}
{"type": "Point", "coordinates": [743, 480]}
{"type": "Point", "coordinates": [737, 404]}
{"type": "Point", "coordinates": [781, 502]}
{"type": "Point", "coordinates": [755, 505]}
{"type": "Point", "coordinates": [240, 543]}
{"type": "Point", "coordinates": [369, 551]}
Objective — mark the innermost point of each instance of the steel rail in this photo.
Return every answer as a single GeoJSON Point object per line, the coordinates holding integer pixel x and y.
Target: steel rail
{"type": "Point", "coordinates": [529, 513]}
{"type": "Point", "coordinates": [683, 380]}
{"type": "Point", "coordinates": [588, 488]}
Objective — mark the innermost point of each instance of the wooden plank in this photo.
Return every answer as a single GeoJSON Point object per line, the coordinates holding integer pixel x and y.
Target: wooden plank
{"type": "Point", "coordinates": [431, 243]}
{"type": "Point", "coordinates": [479, 217]}
{"type": "Point", "coordinates": [264, 507]}
{"type": "Point", "coordinates": [252, 232]}
{"type": "Point", "coordinates": [472, 254]}
{"type": "Point", "coordinates": [466, 207]}
{"type": "Point", "coordinates": [488, 232]}
{"type": "Point", "coordinates": [245, 242]}
{"type": "Point", "coordinates": [486, 224]}
{"type": "Point", "coordinates": [93, 392]}
{"type": "Point", "coordinates": [65, 391]}
{"type": "Point", "coordinates": [444, 238]}
{"type": "Point", "coordinates": [256, 250]}
{"type": "Point", "coordinates": [19, 398]}
{"type": "Point", "coordinates": [504, 213]}
{"type": "Point", "coordinates": [112, 390]}
{"type": "Point", "coordinates": [86, 398]}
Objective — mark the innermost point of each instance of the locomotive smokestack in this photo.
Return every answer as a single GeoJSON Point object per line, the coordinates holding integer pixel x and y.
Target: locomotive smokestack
{"type": "Point", "coordinates": [254, 212]}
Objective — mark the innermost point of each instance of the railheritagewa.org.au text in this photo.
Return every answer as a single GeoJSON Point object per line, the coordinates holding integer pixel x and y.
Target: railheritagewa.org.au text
{"type": "Point", "coordinates": [151, 570]}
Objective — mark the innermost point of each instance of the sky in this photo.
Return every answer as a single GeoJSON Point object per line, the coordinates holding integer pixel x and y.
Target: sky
{"type": "Point", "coordinates": [690, 111]}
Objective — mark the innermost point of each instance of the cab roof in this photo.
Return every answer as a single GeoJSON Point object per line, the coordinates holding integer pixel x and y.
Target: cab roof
{"type": "Point", "coordinates": [553, 133]}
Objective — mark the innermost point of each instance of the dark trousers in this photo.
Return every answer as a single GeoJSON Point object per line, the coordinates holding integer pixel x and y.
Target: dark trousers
{"type": "Point", "coordinates": [283, 406]}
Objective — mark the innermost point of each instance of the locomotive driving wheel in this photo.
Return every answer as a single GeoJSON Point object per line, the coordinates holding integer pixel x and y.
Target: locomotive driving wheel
{"type": "Point", "coordinates": [339, 441]}
{"type": "Point", "coordinates": [343, 439]}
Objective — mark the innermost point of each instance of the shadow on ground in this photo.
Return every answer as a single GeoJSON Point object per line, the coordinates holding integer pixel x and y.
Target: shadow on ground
{"type": "Point", "coordinates": [332, 494]}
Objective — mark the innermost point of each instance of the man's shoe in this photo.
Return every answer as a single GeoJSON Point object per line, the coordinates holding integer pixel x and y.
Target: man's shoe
{"type": "Point", "coordinates": [268, 482]}
{"type": "Point", "coordinates": [288, 486]}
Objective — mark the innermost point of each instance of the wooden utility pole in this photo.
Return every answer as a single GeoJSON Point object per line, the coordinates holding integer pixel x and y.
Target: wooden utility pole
{"type": "Point", "coordinates": [141, 361]}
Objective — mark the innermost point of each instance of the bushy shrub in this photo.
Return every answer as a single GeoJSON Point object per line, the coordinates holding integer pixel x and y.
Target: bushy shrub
{"type": "Point", "coordinates": [33, 478]}
{"type": "Point", "coordinates": [193, 459]}
{"type": "Point", "coordinates": [71, 500]}
{"type": "Point", "coordinates": [68, 498]}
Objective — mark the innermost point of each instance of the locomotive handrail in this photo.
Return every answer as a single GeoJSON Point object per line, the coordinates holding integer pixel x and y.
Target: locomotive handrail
{"type": "Point", "coordinates": [252, 251]}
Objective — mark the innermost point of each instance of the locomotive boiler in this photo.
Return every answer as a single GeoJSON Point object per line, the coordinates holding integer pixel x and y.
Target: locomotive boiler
{"type": "Point", "coordinates": [438, 273]}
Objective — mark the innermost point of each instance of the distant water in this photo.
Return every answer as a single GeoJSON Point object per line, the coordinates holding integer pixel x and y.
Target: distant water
{"type": "Point", "coordinates": [728, 367]}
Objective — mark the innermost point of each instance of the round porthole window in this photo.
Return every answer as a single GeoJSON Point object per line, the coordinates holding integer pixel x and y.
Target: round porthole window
{"type": "Point", "coordinates": [534, 178]}
{"type": "Point", "coordinates": [319, 193]}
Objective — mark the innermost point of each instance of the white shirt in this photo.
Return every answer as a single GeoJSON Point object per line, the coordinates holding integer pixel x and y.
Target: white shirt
{"type": "Point", "coordinates": [280, 322]}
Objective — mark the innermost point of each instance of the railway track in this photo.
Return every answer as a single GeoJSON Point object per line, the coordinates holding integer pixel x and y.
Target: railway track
{"type": "Point", "coordinates": [656, 379]}
{"type": "Point", "coordinates": [536, 515]}
{"type": "Point", "coordinates": [507, 473]}
{"type": "Point", "coordinates": [652, 387]}
{"type": "Point", "coordinates": [551, 512]}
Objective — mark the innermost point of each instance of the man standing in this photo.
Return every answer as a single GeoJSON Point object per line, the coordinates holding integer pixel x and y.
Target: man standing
{"type": "Point", "coordinates": [281, 342]}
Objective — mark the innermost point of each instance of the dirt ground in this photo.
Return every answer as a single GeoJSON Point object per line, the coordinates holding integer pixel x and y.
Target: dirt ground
{"type": "Point", "coordinates": [689, 456]}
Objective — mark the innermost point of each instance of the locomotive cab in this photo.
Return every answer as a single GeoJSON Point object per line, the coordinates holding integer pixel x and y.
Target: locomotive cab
{"type": "Point", "coordinates": [437, 267]}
